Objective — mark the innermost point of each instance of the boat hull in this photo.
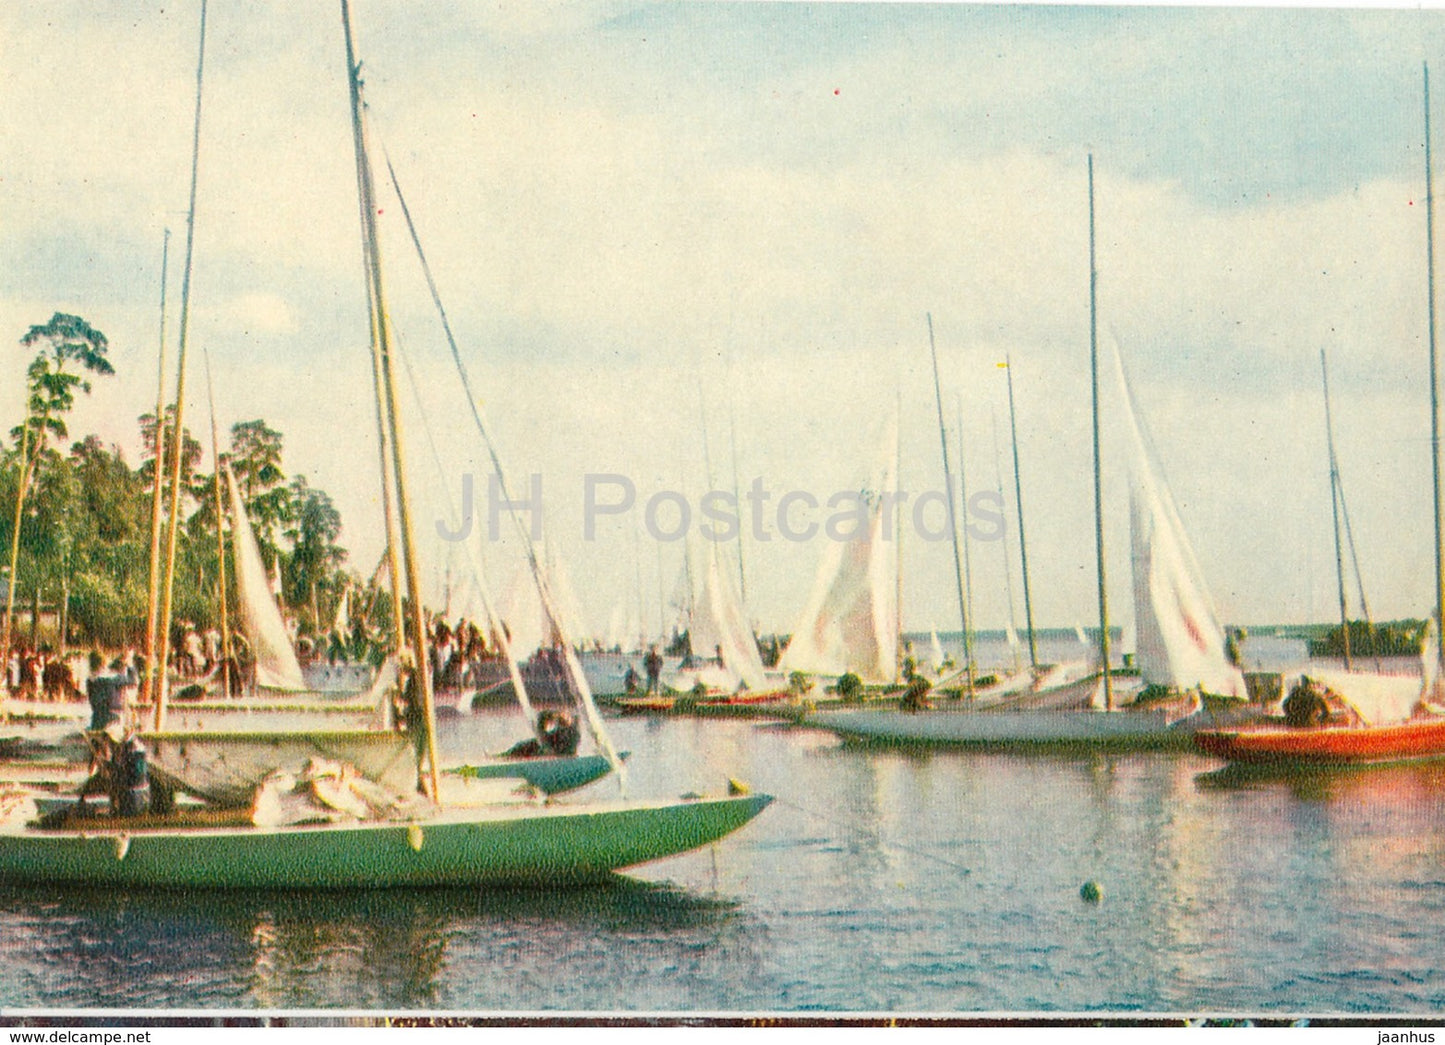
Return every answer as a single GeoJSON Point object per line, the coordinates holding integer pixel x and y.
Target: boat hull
{"type": "Point", "coordinates": [551, 776]}
{"type": "Point", "coordinates": [508, 845]}
{"type": "Point", "coordinates": [1344, 745]}
{"type": "Point", "coordinates": [1134, 729]}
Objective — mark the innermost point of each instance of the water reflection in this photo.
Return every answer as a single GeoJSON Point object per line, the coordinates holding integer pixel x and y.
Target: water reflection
{"type": "Point", "coordinates": [1388, 782]}
{"type": "Point", "coordinates": [374, 949]}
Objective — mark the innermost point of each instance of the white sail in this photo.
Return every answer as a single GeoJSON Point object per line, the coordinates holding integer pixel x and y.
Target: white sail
{"type": "Point", "coordinates": [570, 623]}
{"type": "Point", "coordinates": [1129, 639]}
{"type": "Point", "coordinates": [261, 623]}
{"type": "Point", "coordinates": [1079, 634]}
{"type": "Point", "coordinates": [521, 611]}
{"type": "Point", "coordinates": [850, 622]}
{"type": "Point", "coordinates": [1181, 644]}
{"type": "Point", "coordinates": [719, 628]}
{"type": "Point", "coordinates": [935, 651]}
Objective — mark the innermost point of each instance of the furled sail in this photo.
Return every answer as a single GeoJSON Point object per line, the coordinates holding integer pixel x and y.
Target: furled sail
{"type": "Point", "coordinates": [261, 623]}
{"type": "Point", "coordinates": [850, 623]}
{"type": "Point", "coordinates": [1181, 644]}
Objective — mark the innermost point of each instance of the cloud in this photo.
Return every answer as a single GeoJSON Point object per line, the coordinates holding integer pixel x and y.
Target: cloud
{"type": "Point", "coordinates": [621, 208]}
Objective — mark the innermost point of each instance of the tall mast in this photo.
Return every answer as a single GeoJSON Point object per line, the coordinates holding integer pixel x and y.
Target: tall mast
{"type": "Point", "coordinates": [737, 498]}
{"type": "Point", "coordinates": [1019, 503]}
{"type": "Point", "coordinates": [220, 536]}
{"type": "Point", "coordinates": [1098, 474]}
{"type": "Point", "coordinates": [1335, 510]}
{"type": "Point", "coordinates": [421, 666]}
{"type": "Point", "coordinates": [952, 512]}
{"type": "Point", "coordinates": [1008, 584]}
{"type": "Point", "coordinates": [163, 638]}
{"type": "Point", "coordinates": [1434, 372]}
{"type": "Point", "coordinates": [963, 525]}
{"type": "Point", "coordinates": [897, 533]}
{"type": "Point", "coordinates": [148, 684]}
{"type": "Point", "coordinates": [662, 636]}
{"type": "Point", "coordinates": [383, 445]}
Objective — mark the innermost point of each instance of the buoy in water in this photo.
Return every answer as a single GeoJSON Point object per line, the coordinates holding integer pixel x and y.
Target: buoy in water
{"type": "Point", "coordinates": [1091, 892]}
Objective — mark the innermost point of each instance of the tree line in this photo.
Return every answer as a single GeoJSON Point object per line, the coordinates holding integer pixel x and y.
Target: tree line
{"type": "Point", "coordinates": [78, 531]}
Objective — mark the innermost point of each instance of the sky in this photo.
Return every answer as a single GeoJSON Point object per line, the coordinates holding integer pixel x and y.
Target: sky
{"type": "Point", "coordinates": [683, 242]}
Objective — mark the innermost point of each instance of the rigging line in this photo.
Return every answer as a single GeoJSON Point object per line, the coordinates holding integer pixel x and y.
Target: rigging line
{"type": "Point", "coordinates": [574, 666]}
{"type": "Point", "coordinates": [148, 684]}
{"type": "Point", "coordinates": [494, 619]}
{"type": "Point", "coordinates": [1359, 577]}
{"type": "Point", "coordinates": [226, 680]}
{"type": "Point", "coordinates": [713, 764]}
{"type": "Point", "coordinates": [1003, 538]}
{"type": "Point", "coordinates": [952, 512]}
{"type": "Point", "coordinates": [882, 841]}
{"type": "Point", "coordinates": [1098, 468]}
{"type": "Point", "coordinates": [963, 521]}
{"type": "Point", "coordinates": [1336, 489]}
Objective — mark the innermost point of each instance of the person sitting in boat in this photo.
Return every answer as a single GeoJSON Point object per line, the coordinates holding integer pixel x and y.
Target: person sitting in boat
{"type": "Point", "coordinates": [557, 734]}
{"type": "Point", "coordinates": [119, 771]}
{"type": "Point", "coordinates": [1307, 704]}
{"type": "Point", "coordinates": [630, 681]}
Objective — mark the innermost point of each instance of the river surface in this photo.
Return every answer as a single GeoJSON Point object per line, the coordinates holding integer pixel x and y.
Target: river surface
{"type": "Point", "coordinates": [879, 881]}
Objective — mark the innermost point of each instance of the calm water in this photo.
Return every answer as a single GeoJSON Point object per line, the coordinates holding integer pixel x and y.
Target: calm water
{"type": "Point", "coordinates": [879, 880]}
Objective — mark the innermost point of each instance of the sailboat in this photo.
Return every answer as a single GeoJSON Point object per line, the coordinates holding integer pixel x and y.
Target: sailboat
{"type": "Point", "coordinates": [1393, 718]}
{"type": "Point", "coordinates": [724, 670]}
{"type": "Point", "coordinates": [412, 840]}
{"type": "Point", "coordinates": [849, 624]}
{"type": "Point", "coordinates": [1181, 644]}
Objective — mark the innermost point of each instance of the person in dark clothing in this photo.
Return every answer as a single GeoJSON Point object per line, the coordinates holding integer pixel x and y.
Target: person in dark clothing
{"type": "Point", "coordinates": [557, 735]}
{"type": "Point", "coordinates": [652, 664]}
{"type": "Point", "coordinates": [1306, 705]}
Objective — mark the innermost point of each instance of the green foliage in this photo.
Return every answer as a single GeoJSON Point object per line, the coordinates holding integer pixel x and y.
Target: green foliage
{"type": "Point", "coordinates": [1401, 638]}
{"type": "Point", "coordinates": [85, 538]}
{"type": "Point", "coordinates": [68, 346]}
{"type": "Point", "coordinates": [312, 577]}
{"type": "Point", "coordinates": [915, 697]}
{"type": "Point", "coordinates": [849, 687]}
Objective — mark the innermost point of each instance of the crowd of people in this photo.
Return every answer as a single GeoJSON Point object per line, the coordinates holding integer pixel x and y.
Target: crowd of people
{"type": "Point", "coordinates": [40, 674]}
{"type": "Point", "coordinates": [461, 655]}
